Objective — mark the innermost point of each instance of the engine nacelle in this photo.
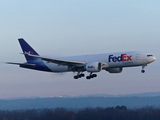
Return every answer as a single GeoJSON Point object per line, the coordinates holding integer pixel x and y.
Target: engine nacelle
{"type": "Point", "coordinates": [114, 70]}
{"type": "Point", "coordinates": [93, 67]}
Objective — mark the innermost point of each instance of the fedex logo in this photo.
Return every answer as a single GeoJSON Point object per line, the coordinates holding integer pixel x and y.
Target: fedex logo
{"type": "Point", "coordinates": [123, 57]}
{"type": "Point", "coordinates": [91, 66]}
{"type": "Point", "coordinates": [30, 52]}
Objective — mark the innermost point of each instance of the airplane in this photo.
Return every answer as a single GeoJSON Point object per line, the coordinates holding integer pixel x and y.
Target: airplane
{"type": "Point", "coordinates": [111, 62]}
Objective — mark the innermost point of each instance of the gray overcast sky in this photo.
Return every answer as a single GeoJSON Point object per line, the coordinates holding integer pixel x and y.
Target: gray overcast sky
{"type": "Point", "coordinates": [69, 27]}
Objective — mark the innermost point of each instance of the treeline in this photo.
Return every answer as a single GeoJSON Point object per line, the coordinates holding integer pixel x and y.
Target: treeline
{"type": "Point", "coordinates": [110, 113]}
{"type": "Point", "coordinates": [79, 103]}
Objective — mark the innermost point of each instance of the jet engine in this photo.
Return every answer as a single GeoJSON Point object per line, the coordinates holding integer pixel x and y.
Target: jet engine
{"type": "Point", "coordinates": [93, 67]}
{"type": "Point", "coordinates": [114, 70]}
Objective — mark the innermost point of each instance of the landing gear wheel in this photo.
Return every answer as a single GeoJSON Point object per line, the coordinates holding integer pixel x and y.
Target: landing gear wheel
{"type": "Point", "coordinates": [94, 75]}
{"type": "Point", "coordinates": [91, 76]}
{"type": "Point", "coordinates": [88, 77]}
{"type": "Point", "coordinates": [75, 77]}
{"type": "Point", "coordinates": [82, 75]}
{"type": "Point", "coordinates": [143, 71]}
{"type": "Point", "coordinates": [79, 76]}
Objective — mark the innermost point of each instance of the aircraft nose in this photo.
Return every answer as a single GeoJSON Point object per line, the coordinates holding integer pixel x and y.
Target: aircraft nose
{"type": "Point", "coordinates": [151, 59]}
{"type": "Point", "coordinates": [154, 58]}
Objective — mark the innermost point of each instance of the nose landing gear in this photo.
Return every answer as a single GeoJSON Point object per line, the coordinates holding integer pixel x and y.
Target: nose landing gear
{"type": "Point", "coordinates": [143, 71]}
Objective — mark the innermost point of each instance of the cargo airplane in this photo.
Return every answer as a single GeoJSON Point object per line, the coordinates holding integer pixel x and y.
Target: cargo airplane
{"type": "Point", "coordinates": [111, 62]}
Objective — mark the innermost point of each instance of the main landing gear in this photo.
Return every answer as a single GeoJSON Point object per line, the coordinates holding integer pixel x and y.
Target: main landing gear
{"type": "Point", "coordinates": [143, 71]}
{"type": "Point", "coordinates": [78, 76]}
{"type": "Point", "coordinates": [91, 76]}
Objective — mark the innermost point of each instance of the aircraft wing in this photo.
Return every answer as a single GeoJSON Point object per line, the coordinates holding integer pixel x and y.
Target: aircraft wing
{"type": "Point", "coordinates": [21, 63]}
{"type": "Point", "coordinates": [60, 61]}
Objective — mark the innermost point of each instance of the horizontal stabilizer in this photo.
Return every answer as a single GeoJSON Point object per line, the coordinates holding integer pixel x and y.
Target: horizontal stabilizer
{"type": "Point", "coordinates": [21, 63]}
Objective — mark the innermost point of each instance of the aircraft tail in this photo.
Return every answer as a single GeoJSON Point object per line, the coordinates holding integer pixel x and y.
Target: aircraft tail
{"type": "Point", "coordinates": [26, 48]}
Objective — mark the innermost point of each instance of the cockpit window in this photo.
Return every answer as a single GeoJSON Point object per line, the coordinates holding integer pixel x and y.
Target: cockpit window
{"type": "Point", "coordinates": [149, 55]}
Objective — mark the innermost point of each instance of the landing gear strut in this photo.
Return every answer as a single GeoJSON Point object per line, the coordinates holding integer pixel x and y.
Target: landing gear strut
{"type": "Point", "coordinates": [143, 71]}
{"type": "Point", "coordinates": [91, 76]}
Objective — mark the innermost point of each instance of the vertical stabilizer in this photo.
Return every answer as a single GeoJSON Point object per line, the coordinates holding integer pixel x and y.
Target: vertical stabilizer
{"type": "Point", "coordinates": [26, 48]}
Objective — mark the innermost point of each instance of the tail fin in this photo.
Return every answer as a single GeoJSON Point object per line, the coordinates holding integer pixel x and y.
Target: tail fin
{"type": "Point", "coordinates": [26, 48]}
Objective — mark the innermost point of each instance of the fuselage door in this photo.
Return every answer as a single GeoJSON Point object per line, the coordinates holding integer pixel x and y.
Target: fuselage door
{"type": "Point", "coordinates": [140, 59]}
{"type": "Point", "coordinates": [137, 57]}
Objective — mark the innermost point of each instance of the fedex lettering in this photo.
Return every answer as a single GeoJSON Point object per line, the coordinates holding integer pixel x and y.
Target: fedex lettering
{"type": "Point", "coordinates": [91, 66]}
{"type": "Point", "coordinates": [30, 52]}
{"type": "Point", "coordinates": [123, 57]}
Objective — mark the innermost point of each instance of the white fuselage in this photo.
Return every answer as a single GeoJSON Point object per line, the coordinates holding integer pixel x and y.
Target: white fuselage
{"type": "Point", "coordinates": [110, 60]}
